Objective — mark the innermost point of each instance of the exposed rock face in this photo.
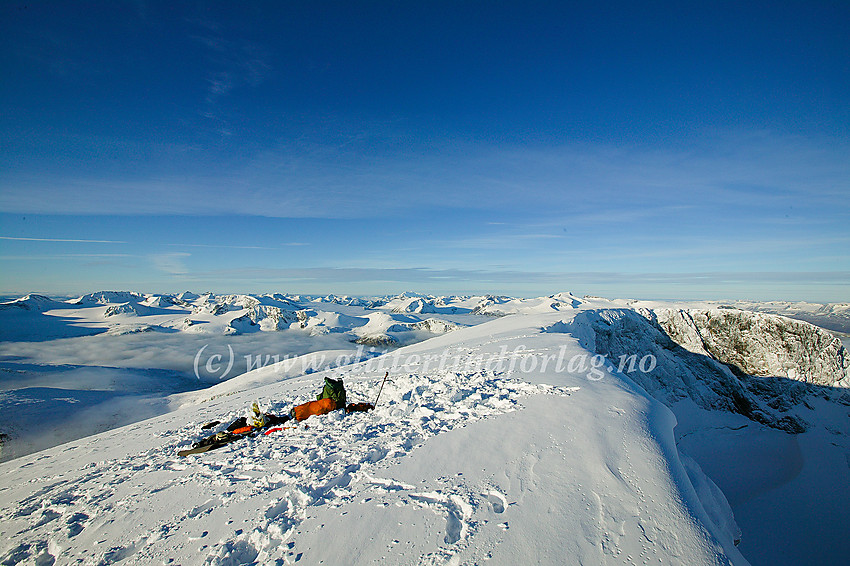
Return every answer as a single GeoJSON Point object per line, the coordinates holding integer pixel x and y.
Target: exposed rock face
{"type": "Point", "coordinates": [132, 309]}
{"type": "Point", "coordinates": [378, 341]}
{"type": "Point", "coordinates": [434, 325]}
{"type": "Point", "coordinates": [108, 297]}
{"type": "Point", "coordinates": [420, 306]}
{"type": "Point", "coordinates": [487, 305]}
{"type": "Point", "coordinates": [759, 344]}
{"type": "Point", "coordinates": [271, 318]}
{"type": "Point", "coordinates": [758, 365]}
{"type": "Point", "coordinates": [677, 374]}
{"type": "Point", "coordinates": [262, 317]}
{"type": "Point", "coordinates": [832, 316]}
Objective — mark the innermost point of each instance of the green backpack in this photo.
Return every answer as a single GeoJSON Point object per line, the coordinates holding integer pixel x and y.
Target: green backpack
{"type": "Point", "coordinates": [334, 389]}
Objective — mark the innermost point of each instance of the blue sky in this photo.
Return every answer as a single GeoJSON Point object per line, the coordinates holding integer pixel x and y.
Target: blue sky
{"type": "Point", "coordinates": [654, 150]}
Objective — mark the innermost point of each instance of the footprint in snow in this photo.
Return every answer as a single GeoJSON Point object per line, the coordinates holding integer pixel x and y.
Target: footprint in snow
{"type": "Point", "coordinates": [497, 501]}
{"type": "Point", "coordinates": [458, 512]}
{"type": "Point", "coordinates": [76, 523]}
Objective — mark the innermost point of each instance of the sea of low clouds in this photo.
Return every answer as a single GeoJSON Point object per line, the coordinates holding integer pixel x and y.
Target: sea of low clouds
{"type": "Point", "coordinates": [175, 352]}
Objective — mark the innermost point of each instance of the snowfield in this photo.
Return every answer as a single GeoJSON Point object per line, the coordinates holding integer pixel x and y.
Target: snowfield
{"type": "Point", "coordinates": [554, 430]}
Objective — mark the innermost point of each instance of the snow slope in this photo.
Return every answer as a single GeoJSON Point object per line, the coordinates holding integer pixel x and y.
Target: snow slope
{"type": "Point", "coordinates": [463, 462]}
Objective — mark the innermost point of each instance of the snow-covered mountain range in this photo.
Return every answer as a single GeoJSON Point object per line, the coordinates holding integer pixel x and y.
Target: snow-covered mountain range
{"type": "Point", "coordinates": [513, 429]}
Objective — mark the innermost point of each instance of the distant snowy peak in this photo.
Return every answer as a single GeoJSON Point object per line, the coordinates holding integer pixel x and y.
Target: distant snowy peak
{"type": "Point", "coordinates": [787, 307]}
{"type": "Point", "coordinates": [162, 301]}
{"type": "Point", "coordinates": [110, 297]}
{"type": "Point", "coordinates": [425, 305]}
{"type": "Point", "coordinates": [33, 302]}
{"type": "Point", "coordinates": [213, 308]}
{"type": "Point", "coordinates": [435, 325]}
{"type": "Point", "coordinates": [568, 298]}
{"type": "Point", "coordinates": [318, 322]}
{"type": "Point", "coordinates": [381, 323]}
{"type": "Point", "coordinates": [272, 318]}
{"type": "Point", "coordinates": [280, 300]}
{"type": "Point", "coordinates": [415, 305]}
{"type": "Point", "coordinates": [241, 301]}
{"type": "Point", "coordinates": [384, 329]}
{"type": "Point", "coordinates": [412, 295]}
{"type": "Point", "coordinates": [486, 302]}
{"type": "Point", "coordinates": [132, 309]}
{"type": "Point", "coordinates": [351, 301]}
{"type": "Point", "coordinates": [492, 305]}
{"type": "Point", "coordinates": [241, 325]}
{"type": "Point", "coordinates": [261, 318]}
{"type": "Point", "coordinates": [187, 296]}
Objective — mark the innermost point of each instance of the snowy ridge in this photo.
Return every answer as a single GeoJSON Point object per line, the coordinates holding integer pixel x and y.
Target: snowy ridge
{"type": "Point", "coordinates": [502, 306]}
{"type": "Point", "coordinates": [32, 302]}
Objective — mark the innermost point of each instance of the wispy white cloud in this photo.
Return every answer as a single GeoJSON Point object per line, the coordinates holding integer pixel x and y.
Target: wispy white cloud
{"type": "Point", "coordinates": [78, 241]}
{"type": "Point", "coordinates": [220, 84]}
{"type": "Point", "coordinates": [488, 242]}
{"type": "Point", "coordinates": [60, 256]}
{"type": "Point", "coordinates": [170, 263]}
{"type": "Point", "coordinates": [234, 63]}
{"type": "Point", "coordinates": [223, 246]}
{"type": "Point", "coordinates": [232, 247]}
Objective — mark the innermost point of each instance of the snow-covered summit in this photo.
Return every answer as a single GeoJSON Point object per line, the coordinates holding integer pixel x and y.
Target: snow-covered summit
{"type": "Point", "coordinates": [492, 305]}
{"type": "Point", "coordinates": [109, 297]}
{"type": "Point", "coordinates": [132, 309]}
{"type": "Point", "coordinates": [33, 302]}
{"type": "Point", "coordinates": [187, 296]}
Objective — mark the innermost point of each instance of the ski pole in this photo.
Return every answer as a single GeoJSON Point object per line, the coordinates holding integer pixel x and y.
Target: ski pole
{"type": "Point", "coordinates": [381, 389]}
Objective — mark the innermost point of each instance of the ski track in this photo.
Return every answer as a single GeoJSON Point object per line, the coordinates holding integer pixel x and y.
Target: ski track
{"type": "Point", "coordinates": [243, 503]}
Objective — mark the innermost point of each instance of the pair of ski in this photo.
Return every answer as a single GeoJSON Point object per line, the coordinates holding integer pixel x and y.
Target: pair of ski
{"type": "Point", "coordinates": [223, 438]}
{"type": "Point", "coordinates": [217, 440]}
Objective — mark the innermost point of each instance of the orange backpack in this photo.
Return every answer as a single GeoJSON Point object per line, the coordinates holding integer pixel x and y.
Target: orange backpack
{"type": "Point", "coordinates": [320, 407]}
